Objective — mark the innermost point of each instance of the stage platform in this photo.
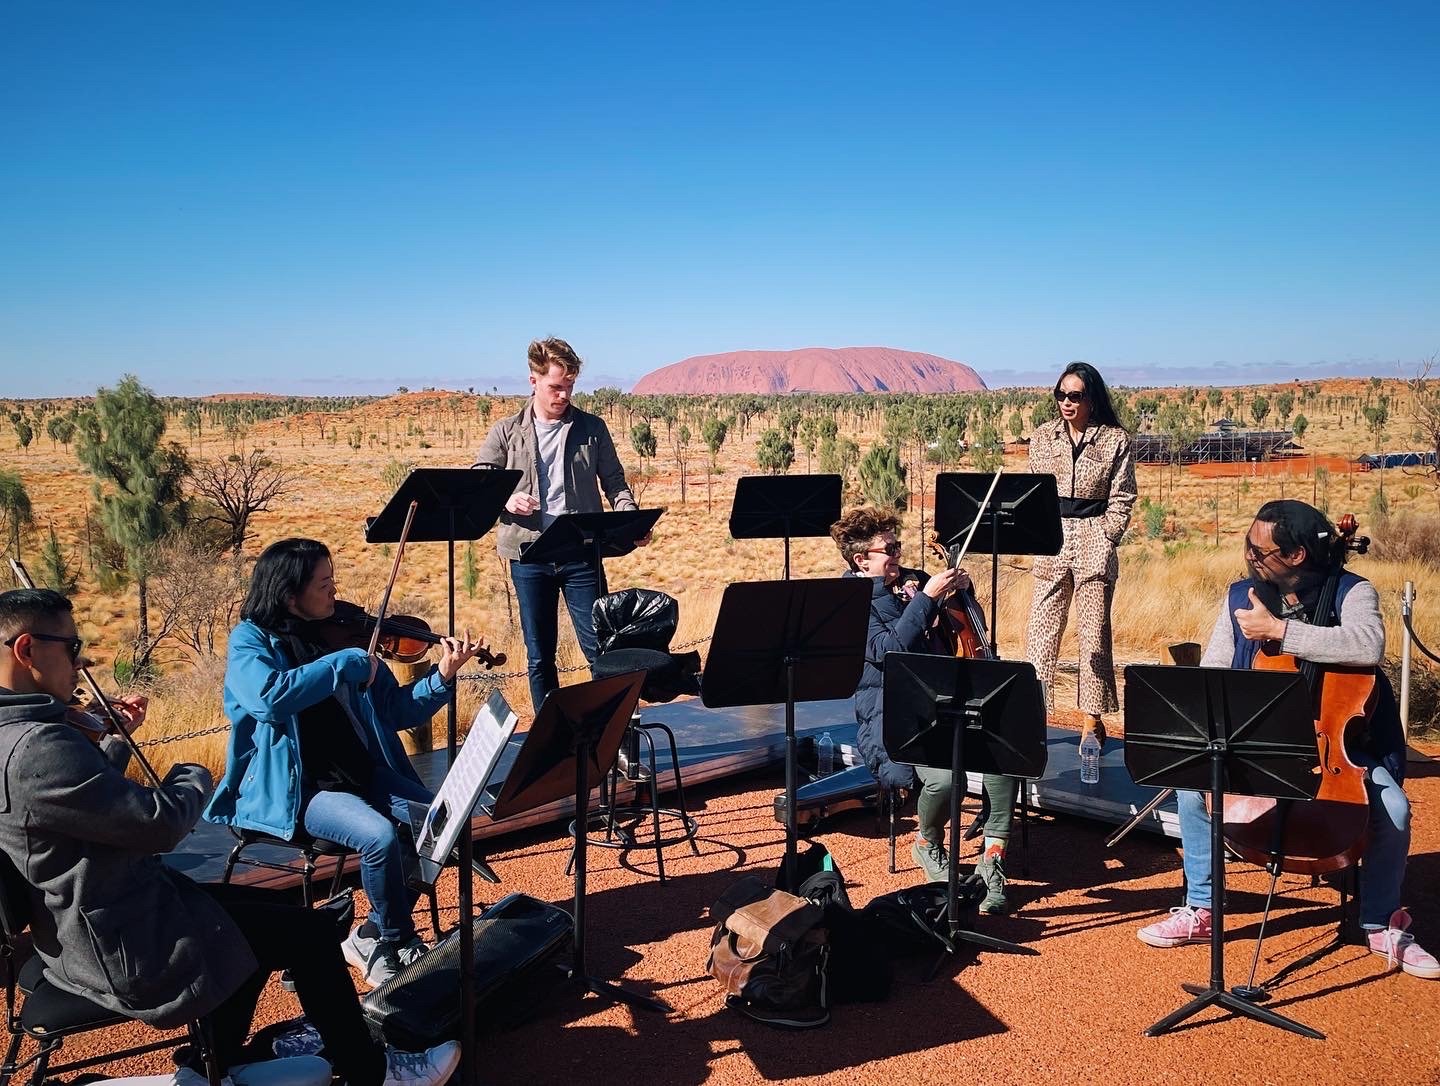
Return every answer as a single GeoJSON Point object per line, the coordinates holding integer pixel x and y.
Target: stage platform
{"type": "Point", "coordinates": [719, 743]}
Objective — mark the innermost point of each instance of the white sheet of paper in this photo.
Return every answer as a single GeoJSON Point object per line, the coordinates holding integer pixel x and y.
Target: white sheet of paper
{"type": "Point", "coordinates": [463, 786]}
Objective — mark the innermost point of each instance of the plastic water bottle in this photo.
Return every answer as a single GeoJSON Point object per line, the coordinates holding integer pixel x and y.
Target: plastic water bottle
{"type": "Point", "coordinates": [1089, 759]}
{"type": "Point", "coordinates": [827, 755]}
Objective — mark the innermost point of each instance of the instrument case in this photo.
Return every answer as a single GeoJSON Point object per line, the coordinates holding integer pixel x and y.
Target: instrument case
{"type": "Point", "coordinates": [522, 948]}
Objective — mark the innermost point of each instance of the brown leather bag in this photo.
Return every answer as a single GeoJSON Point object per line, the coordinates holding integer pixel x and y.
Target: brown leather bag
{"type": "Point", "coordinates": [771, 953]}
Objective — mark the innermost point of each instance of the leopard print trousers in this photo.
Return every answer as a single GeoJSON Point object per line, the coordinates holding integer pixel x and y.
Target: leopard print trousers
{"type": "Point", "coordinates": [1086, 570]}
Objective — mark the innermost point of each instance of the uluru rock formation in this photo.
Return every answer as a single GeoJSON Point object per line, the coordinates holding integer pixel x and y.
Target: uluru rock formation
{"type": "Point", "coordinates": [812, 369]}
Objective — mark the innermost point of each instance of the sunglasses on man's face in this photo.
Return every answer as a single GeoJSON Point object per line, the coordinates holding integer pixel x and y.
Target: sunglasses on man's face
{"type": "Point", "coordinates": [1062, 396]}
{"type": "Point", "coordinates": [75, 645]}
{"type": "Point", "coordinates": [890, 549]}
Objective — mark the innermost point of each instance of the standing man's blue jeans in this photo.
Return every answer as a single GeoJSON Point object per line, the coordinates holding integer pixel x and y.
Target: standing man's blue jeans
{"type": "Point", "coordinates": [366, 824]}
{"type": "Point", "coordinates": [538, 587]}
{"type": "Point", "coordinates": [1382, 867]}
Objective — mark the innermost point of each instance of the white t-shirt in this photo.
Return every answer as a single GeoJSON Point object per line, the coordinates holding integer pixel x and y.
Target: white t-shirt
{"type": "Point", "coordinates": [550, 472]}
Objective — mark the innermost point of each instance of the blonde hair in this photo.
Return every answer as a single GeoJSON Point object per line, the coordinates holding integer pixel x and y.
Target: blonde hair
{"type": "Point", "coordinates": [550, 351]}
{"type": "Point", "coordinates": [852, 532]}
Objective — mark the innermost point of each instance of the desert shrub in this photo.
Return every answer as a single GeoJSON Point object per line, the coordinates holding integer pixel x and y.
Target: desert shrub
{"type": "Point", "coordinates": [1409, 537]}
{"type": "Point", "coordinates": [1424, 693]}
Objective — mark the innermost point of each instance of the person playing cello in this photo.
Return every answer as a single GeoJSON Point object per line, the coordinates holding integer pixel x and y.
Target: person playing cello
{"type": "Point", "coordinates": [1291, 552]}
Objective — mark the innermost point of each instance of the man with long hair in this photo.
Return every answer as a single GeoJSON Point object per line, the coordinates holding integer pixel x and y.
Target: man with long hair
{"type": "Point", "coordinates": [1292, 550]}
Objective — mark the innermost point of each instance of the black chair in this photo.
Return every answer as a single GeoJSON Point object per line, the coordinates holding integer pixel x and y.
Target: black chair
{"type": "Point", "coordinates": [311, 849]}
{"type": "Point", "coordinates": [49, 1014]}
{"type": "Point", "coordinates": [633, 629]}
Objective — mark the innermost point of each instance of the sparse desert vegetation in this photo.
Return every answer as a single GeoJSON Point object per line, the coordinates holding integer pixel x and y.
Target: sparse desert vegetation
{"type": "Point", "coordinates": [318, 468]}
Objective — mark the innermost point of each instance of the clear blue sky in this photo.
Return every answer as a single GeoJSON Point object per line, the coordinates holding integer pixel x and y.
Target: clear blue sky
{"type": "Point", "coordinates": [324, 197]}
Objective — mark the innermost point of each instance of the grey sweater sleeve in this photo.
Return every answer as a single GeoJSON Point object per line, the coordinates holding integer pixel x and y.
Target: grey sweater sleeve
{"type": "Point", "coordinates": [1220, 649]}
{"type": "Point", "coordinates": [1359, 640]}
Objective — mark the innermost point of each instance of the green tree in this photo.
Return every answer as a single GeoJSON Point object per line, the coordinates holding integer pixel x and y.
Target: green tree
{"type": "Point", "coordinates": [642, 440]}
{"type": "Point", "coordinates": [1299, 427]}
{"type": "Point", "coordinates": [1284, 405]}
{"type": "Point", "coordinates": [1259, 409]}
{"type": "Point", "coordinates": [987, 453]}
{"type": "Point", "coordinates": [60, 430]}
{"type": "Point", "coordinates": [56, 569]}
{"type": "Point", "coordinates": [882, 478]}
{"type": "Point", "coordinates": [24, 433]}
{"type": "Point", "coordinates": [138, 481]}
{"type": "Point", "coordinates": [774, 452]}
{"type": "Point", "coordinates": [15, 511]}
{"type": "Point", "coordinates": [1017, 425]}
{"type": "Point", "coordinates": [1043, 411]}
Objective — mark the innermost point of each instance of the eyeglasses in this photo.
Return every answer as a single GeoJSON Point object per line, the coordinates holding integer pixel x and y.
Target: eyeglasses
{"type": "Point", "coordinates": [1071, 397]}
{"type": "Point", "coordinates": [891, 549]}
{"type": "Point", "coordinates": [76, 645]}
{"type": "Point", "coordinates": [1255, 554]}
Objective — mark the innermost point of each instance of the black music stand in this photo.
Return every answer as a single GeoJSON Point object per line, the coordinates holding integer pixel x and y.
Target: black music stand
{"type": "Point", "coordinates": [590, 537]}
{"type": "Point", "coordinates": [955, 713]}
{"type": "Point", "coordinates": [784, 506]}
{"type": "Point", "coordinates": [1021, 517]}
{"type": "Point", "coordinates": [573, 740]}
{"type": "Point", "coordinates": [452, 504]}
{"type": "Point", "coordinates": [1250, 733]}
{"type": "Point", "coordinates": [787, 641]}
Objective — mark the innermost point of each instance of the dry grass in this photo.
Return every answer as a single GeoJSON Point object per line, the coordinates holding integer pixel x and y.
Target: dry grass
{"type": "Point", "coordinates": [1168, 589]}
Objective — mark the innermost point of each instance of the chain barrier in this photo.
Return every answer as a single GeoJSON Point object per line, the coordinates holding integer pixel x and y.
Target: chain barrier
{"type": "Point", "coordinates": [186, 735]}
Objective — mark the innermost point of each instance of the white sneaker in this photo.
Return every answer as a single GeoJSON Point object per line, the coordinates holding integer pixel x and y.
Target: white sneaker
{"type": "Point", "coordinates": [359, 948]}
{"type": "Point", "coordinates": [389, 958]}
{"type": "Point", "coordinates": [431, 1068]}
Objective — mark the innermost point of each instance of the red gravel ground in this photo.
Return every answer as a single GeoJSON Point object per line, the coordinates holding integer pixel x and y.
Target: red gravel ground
{"type": "Point", "coordinates": [1074, 1014]}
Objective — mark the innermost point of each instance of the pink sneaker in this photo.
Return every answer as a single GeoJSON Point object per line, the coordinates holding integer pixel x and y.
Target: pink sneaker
{"type": "Point", "coordinates": [1183, 925]}
{"type": "Point", "coordinates": [1400, 948]}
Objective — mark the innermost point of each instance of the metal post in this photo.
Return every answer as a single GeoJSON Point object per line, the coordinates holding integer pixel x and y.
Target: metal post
{"type": "Point", "coordinates": [1406, 606]}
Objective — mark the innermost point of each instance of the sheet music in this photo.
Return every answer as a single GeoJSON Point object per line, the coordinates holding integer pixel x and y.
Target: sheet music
{"type": "Point", "coordinates": [465, 783]}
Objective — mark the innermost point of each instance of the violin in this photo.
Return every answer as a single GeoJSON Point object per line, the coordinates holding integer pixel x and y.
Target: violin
{"type": "Point", "coordinates": [403, 638]}
{"type": "Point", "coordinates": [960, 622]}
{"type": "Point", "coordinates": [1329, 833]}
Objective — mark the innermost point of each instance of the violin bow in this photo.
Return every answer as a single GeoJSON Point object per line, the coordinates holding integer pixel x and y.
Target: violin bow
{"type": "Point", "coordinates": [112, 717]}
{"type": "Point", "coordinates": [394, 572]}
{"type": "Point", "coordinates": [979, 512]}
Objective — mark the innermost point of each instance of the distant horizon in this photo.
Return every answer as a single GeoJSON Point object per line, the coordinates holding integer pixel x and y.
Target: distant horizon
{"type": "Point", "coordinates": [592, 377]}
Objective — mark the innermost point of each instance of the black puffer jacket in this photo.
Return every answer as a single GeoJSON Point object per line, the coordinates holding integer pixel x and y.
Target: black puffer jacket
{"type": "Point", "coordinates": [895, 626]}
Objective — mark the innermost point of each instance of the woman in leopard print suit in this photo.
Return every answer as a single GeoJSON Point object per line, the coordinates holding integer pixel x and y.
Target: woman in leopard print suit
{"type": "Point", "coordinates": [1088, 452]}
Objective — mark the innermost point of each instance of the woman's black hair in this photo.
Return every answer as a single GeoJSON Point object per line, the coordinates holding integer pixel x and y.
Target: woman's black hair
{"type": "Point", "coordinates": [282, 570]}
{"type": "Point", "coordinates": [1102, 411]}
{"type": "Point", "coordinates": [1296, 524]}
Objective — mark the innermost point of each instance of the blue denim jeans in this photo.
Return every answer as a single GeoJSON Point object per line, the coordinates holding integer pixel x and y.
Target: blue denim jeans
{"type": "Point", "coordinates": [1382, 868]}
{"type": "Point", "coordinates": [367, 825]}
{"type": "Point", "coordinates": [537, 588]}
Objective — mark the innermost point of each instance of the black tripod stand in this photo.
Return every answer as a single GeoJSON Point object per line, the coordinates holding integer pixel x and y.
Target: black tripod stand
{"type": "Point", "coordinates": [787, 641]}
{"type": "Point", "coordinates": [573, 741]}
{"type": "Point", "coordinates": [955, 713]}
{"type": "Point", "coordinates": [1249, 733]}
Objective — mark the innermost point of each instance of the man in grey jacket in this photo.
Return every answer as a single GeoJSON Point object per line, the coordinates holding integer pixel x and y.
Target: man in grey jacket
{"type": "Point", "coordinates": [114, 924]}
{"type": "Point", "coordinates": [565, 457]}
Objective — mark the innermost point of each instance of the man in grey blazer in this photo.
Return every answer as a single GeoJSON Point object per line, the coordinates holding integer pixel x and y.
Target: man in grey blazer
{"type": "Point", "coordinates": [565, 457]}
{"type": "Point", "coordinates": [114, 924]}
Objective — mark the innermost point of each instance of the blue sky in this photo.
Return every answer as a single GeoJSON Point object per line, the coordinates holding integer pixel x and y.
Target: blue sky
{"type": "Point", "coordinates": [326, 197]}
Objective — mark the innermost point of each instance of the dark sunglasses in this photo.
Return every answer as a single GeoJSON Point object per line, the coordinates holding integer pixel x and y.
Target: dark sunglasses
{"type": "Point", "coordinates": [76, 645]}
{"type": "Point", "coordinates": [891, 549]}
{"type": "Point", "coordinates": [1072, 397]}
{"type": "Point", "coordinates": [1256, 554]}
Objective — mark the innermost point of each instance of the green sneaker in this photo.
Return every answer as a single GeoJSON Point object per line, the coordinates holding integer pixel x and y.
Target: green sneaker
{"type": "Point", "coordinates": [993, 872]}
{"type": "Point", "coordinates": [933, 860]}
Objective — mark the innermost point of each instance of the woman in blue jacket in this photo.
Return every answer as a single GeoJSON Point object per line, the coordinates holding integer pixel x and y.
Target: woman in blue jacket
{"type": "Point", "coordinates": [313, 743]}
